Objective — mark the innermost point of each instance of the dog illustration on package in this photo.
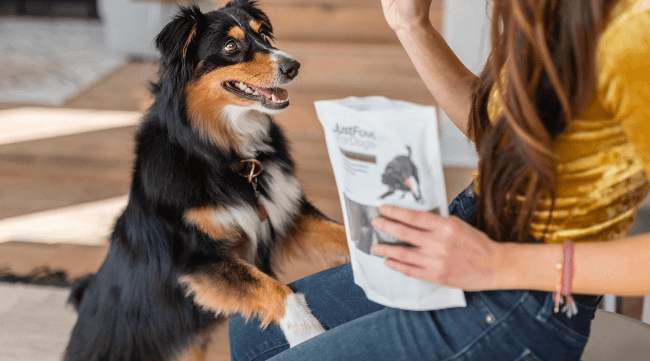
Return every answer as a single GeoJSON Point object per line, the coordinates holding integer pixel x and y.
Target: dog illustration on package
{"type": "Point", "coordinates": [402, 174]}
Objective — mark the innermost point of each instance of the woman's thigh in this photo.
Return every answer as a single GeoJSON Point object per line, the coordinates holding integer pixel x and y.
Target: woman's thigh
{"type": "Point", "coordinates": [332, 296]}
{"type": "Point", "coordinates": [499, 325]}
{"type": "Point", "coordinates": [495, 326]}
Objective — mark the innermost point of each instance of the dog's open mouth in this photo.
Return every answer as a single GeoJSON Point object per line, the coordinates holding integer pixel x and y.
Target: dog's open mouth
{"type": "Point", "coordinates": [271, 98]}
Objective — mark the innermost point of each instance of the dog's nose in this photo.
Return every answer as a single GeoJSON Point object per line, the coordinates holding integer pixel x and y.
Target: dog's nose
{"type": "Point", "coordinates": [289, 68]}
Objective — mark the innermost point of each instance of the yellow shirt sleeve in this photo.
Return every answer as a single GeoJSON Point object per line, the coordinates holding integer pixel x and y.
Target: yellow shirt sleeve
{"type": "Point", "coordinates": [624, 76]}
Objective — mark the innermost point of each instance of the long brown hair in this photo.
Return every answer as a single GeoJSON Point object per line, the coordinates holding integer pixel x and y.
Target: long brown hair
{"type": "Point", "coordinates": [542, 65]}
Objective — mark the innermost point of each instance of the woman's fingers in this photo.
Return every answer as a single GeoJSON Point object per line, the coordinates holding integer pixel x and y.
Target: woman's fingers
{"type": "Point", "coordinates": [401, 231]}
{"type": "Point", "coordinates": [418, 228]}
{"type": "Point", "coordinates": [417, 219]}
{"type": "Point", "coordinates": [399, 254]}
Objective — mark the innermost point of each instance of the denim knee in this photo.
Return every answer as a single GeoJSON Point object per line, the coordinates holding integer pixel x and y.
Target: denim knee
{"type": "Point", "coordinates": [248, 342]}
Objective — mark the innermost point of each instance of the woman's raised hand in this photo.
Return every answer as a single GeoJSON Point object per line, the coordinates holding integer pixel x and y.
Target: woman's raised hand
{"type": "Point", "coordinates": [403, 14]}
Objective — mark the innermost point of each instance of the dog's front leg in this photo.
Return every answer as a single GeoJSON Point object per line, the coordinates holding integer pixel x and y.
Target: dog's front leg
{"type": "Point", "coordinates": [315, 236]}
{"type": "Point", "coordinates": [233, 286]}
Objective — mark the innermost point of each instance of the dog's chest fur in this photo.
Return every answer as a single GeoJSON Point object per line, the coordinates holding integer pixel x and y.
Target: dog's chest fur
{"type": "Point", "coordinates": [280, 195]}
{"type": "Point", "coordinates": [280, 192]}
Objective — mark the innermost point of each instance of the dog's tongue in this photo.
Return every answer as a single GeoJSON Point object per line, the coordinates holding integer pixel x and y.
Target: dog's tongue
{"type": "Point", "coordinates": [280, 94]}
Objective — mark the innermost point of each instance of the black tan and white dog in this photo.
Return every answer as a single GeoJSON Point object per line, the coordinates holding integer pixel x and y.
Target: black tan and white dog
{"type": "Point", "coordinates": [214, 205]}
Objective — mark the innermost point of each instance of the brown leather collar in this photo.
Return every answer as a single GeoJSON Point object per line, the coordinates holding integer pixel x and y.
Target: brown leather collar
{"type": "Point", "coordinates": [249, 169]}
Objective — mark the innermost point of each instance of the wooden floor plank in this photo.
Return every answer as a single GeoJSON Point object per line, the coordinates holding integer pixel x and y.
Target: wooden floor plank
{"type": "Point", "coordinates": [124, 89]}
{"type": "Point", "coordinates": [57, 172]}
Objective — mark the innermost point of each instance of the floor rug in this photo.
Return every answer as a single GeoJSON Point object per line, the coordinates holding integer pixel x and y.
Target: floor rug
{"type": "Point", "coordinates": [35, 322]}
{"type": "Point", "coordinates": [46, 61]}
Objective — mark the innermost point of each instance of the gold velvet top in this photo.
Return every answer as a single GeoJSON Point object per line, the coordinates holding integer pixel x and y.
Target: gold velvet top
{"type": "Point", "coordinates": [603, 157]}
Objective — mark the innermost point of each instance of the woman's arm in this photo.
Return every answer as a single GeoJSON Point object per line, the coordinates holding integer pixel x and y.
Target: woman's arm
{"type": "Point", "coordinates": [448, 80]}
{"type": "Point", "coordinates": [620, 267]}
{"type": "Point", "coordinates": [453, 253]}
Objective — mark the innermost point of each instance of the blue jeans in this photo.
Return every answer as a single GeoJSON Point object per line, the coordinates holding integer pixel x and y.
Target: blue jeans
{"type": "Point", "coordinates": [495, 325]}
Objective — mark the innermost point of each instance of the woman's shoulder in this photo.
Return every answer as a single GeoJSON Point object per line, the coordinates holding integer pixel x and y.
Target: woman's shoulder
{"type": "Point", "coordinates": [624, 48]}
{"type": "Point", "coordinates": [625, 8]}
{"type": "Point", "coordinates": [624, 74]}
{"type": "Point", "coordinates": [627, 28]}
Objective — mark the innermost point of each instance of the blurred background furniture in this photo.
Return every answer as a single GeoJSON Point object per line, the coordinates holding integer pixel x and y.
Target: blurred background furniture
{"type": "Point", "coordinates": [612, 304]}
{"type": "Point", "coordinates": [49, 7]}
{"type": "Point", "coordinates": [617, 337]}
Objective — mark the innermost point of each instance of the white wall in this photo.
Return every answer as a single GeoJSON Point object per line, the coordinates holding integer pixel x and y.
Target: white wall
{"type": "Point", "coordinates": [466, 28]}
{"type": "Point", "coordinates": [130, 26]}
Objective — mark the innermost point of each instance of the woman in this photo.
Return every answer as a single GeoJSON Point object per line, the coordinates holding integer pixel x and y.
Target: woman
{"type": "Point", "coordinates": [560, 120]}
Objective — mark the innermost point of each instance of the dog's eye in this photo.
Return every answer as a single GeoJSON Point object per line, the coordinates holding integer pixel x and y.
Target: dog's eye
{"type": "Point", "coordinates": [231, 46]}
{"type": "Point", "coordinates": [264, 37]}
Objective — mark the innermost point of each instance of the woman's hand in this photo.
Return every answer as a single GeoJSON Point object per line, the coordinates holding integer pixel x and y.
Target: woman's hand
{"type": "Point", "coordinates": [403, 14]}
{"type": "Point", "coordinates": [447, 251]}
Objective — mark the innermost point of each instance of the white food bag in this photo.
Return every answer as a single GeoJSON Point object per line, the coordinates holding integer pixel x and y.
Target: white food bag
{"type": "Point", "coordinates": [386, 152]}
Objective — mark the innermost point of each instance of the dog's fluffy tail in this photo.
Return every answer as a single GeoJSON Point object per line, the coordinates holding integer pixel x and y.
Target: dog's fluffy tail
{"type": "Point", "coordinates": [78, 290]}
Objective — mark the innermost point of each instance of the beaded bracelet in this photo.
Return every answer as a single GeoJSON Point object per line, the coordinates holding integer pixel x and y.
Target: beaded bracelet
{"type": "Point", "coordinates": [563, 290]}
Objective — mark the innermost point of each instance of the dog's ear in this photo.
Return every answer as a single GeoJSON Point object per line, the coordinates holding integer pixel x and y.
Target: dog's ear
{"type": "Point", "coordinates": [253, 9]}
{"type": "Point", "coordinates": [177, 40]}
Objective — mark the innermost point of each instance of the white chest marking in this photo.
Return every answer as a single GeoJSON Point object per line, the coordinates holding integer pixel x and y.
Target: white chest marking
{"type": "Point", "coordinates": [242, 216]}
{"type": "Point", "coordinates": [253, 127]}
{"type": "Point", "coordinates": [282, 205]}
{"type": "Point", "coordinates": [284, 194]}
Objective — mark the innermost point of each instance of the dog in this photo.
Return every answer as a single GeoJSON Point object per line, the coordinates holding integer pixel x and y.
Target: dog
{"type": "Point", "coordinates": [402, 174]}
{"type": "Point", "coordinates": [214, 206]}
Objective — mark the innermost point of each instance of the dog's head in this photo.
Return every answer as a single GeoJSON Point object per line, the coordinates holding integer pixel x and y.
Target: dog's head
{"type": "Point", "coordinates": [225, 60]}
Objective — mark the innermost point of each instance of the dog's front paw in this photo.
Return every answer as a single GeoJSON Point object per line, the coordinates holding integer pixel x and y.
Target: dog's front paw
{"type": "Point", "coordinates": [298, 323]}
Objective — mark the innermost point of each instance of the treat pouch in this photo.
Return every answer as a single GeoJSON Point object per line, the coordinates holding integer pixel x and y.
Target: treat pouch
{"type": "Point", "coordinates": [386, 151]}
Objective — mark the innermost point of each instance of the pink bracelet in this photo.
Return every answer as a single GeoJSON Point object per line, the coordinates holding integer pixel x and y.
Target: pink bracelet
{"type": "Point", "coordinates": [563, 291]}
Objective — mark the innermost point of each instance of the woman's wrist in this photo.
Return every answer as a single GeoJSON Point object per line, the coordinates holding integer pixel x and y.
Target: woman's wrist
{"type": "Point", "coordinates": [528, 266]}
{"type": "Point", "coordinates": [414, 28]}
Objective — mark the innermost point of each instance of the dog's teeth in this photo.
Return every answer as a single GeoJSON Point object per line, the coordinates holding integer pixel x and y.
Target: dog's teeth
{"type": "Point", "coordinates": [249, 90]}
{"type": "Point", "coordinates": [256, 93]}
{"type": "Point", "coordinates": [273, 98]}
{"type": "Point", "coordinates": [242, 86]}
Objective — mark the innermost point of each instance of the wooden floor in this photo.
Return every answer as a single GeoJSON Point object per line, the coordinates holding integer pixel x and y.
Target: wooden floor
{"type": "Point", "coordinates": [345, 49]}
